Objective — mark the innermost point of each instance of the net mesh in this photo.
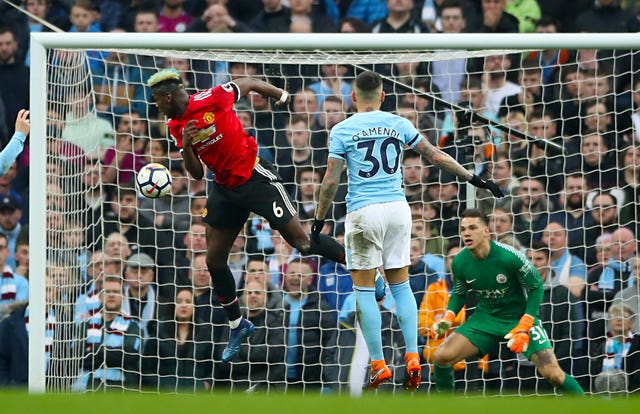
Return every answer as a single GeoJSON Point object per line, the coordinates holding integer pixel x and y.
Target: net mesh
{"type": "Point", "coordinates": [102, 127]}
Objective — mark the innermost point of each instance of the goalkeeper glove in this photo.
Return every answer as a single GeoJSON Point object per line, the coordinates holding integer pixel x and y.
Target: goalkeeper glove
{"type": "Point", "coordinates": [519, 336]}
{"type": "Point", "coordinates": [476, 181]}
{"type": "Point", "coordinates": [316, 228]}
{"type": "Point", "coordinates": [441, 327]}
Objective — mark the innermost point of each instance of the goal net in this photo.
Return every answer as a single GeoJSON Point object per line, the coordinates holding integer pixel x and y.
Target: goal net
{"type": "Point", "coordinates": [120, 294]}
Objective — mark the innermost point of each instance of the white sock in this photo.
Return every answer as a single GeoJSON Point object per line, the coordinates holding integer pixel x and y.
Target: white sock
{"type": "Point", "coordinates": [234, 324]}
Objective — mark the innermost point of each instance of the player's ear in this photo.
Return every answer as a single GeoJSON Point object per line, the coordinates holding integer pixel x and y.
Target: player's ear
{"type": "Point", "coordinates": [353, 96]}
{"type": "Point", "coordinates": [382, 96]}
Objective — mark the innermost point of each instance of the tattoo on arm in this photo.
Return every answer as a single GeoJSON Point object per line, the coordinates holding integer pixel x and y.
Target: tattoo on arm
{"type": "Point", "coordinates": [329, 186]}
{"type": "Point", "coordinates": [441, 159]}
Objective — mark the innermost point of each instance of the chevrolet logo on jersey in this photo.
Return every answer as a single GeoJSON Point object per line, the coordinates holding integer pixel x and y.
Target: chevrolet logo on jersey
{"type": "Point", "coordinates": [208, 117]}
{"type": "Point", "coordinates": [204, 133]}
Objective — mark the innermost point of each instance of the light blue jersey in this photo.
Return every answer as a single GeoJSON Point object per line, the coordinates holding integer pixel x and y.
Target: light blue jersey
{"type": "Point", "coordinates": [372, 143]}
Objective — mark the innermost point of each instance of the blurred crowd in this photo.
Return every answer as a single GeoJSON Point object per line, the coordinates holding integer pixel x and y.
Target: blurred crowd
{"type": "Point", "coordinates": [129, 298]}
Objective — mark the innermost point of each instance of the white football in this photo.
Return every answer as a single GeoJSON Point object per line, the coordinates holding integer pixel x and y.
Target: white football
{"type": "Point", "coordinates": [154, 180]}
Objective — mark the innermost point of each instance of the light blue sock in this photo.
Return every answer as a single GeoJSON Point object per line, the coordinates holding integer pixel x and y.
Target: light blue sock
{"type": "Point", "coordinates": [370, 320]}
{"type": "Point", "coordinates": [407, 312]}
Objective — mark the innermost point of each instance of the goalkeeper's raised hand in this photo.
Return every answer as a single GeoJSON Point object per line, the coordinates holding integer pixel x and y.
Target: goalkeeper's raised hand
{"type": "Point", "coordinates": [441, 327]}
{"type": "Point", "coordinates": [476, 181]}
{"type": "Point", "coordinates": [519, 336]}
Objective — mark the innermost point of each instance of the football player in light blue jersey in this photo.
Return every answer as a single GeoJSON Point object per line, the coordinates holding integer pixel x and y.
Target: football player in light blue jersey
{"type": "Point", "coordinates": [378, 222]}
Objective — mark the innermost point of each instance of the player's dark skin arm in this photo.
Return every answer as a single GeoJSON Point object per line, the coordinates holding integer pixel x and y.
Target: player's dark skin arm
{"type": "Point", "coordinates": [441, 159]}
{"type": "Point", "coordinates": [246, 85]}
{"type": "Point", "coordinates": [329, 186]}
{"type": "Point", "coordinates": [191, 161]}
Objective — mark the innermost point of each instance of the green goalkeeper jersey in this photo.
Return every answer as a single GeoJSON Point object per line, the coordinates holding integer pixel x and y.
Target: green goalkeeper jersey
{"type": "Point", "coordinates": [506, 283]}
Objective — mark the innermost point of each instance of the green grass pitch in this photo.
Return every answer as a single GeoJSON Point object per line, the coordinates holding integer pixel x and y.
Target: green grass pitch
{"type": "Point", "coordinates": [124, 403]}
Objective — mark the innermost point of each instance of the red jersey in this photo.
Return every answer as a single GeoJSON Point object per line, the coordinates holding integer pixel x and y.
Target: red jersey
{"type": "Point", "coordinates": [222, 145]}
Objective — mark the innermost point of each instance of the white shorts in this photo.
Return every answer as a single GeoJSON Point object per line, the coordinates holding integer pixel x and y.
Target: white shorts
{"type": "Point", "coordinates": [378, 235]}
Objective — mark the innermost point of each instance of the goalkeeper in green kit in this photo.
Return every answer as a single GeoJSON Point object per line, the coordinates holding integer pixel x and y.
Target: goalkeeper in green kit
{"type": "Point", "coordinates": [509, 291]}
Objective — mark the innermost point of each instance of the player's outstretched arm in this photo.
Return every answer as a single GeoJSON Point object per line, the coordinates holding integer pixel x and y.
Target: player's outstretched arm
{"type": "Point", "coordinates": [191, 161]}
{"type": "Point", "coordinates": [246, 85]}
{"type": "Point", "coordinates": [328, 190]}
{"type": "Point", "coordinates": [443, 160]}
{"type": "Point", "coordinates": [16, 144]}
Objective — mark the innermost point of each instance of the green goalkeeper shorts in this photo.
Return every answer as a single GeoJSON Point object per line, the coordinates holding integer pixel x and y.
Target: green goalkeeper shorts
{"type": "Point", "coordinates": [486, 332]}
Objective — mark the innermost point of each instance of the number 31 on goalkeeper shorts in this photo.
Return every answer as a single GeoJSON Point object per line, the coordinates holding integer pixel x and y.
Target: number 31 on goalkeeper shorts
{"type": "Point", "coordinates": [538, 334]}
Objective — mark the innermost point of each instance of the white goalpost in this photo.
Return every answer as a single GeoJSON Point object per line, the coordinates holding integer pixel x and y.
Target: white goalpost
{"type": "Point", "coordinates": [73, 95]}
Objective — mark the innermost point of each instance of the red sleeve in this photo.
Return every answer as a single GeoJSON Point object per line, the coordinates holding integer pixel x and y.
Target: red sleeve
{"type": "Point", "coordinates": [224, 96]}
{"type": "Point", "coordinates": [175, 130]}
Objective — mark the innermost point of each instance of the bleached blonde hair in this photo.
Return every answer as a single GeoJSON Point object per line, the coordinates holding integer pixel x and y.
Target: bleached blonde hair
{"type": "Point", "coordinates": [169, 74]}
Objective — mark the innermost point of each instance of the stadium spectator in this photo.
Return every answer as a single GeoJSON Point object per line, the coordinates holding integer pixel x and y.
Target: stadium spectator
{"type": "Point", "coordinates": [297, 153]}
{"type": "Point", "coordinates": [311, 331]}
{"type": "Point", "coordinates": [630, 296]}
{"type": "Point", "coordinates": [273, 18]}
{"type": "Point", "coordinates": [424, 225]}
{"type": "Point", "coordinates": [10, 226]}
{"type": "Point", "coordinates": [542, 166]}
{"type": "Point", "coordinates": [530, 209]}
{"type": "Point", "coordinates": [173, 212]}
{"type": "Point", "coordinates": [611, 351]}
{"type": "Point", "coordinates": [495, 80]}
{"type": "Point", "coordinates": [216, 19]}
{"type": "Point", "coordinates": [13, 287]}
{"type": "Point", "coordinates": [473, 95]}
{"type": "Point", "coordinates": [140, 296]}
{"type": "Point", "coordinates": [89, 303]}
{"type": "Point", "coordinates": [14, 79]}
{"type": "Point", "coordinates": [448, 75]}
{"type": "Point", "coordinates": [605, 16]}
{"type": "Point", "coordinates": [123, 217]}
{"type": "Point", "coordinates": [257, 270]}
{"type": "Point", "coordinates": [14, 336]}
{"type": "Point", "coordinates": [596, 159]}
{"type": "Point", "coordinates": [604, 212]}
{"type": "Point", "coordinates": [526, 11]}
{"type": "Point", "coordinates": [353, 25]}
{"type": "Point", "coordinates": [334, 279]}
{"type": "Point", "coordinates": [550, 60]}
{"type": "Point", "coordinates": [568, 269]}
{"type": "Point", "coordinates": [179, 359]}
{"type": "Point", "coordinates": [368, 11]}
{"type": "Point", "coordinates": [307, 190]}
{"type": "Point", "coordinates": [83, 17]}
{"type": "Point", "coordinates": [207, 305]}
{"type": "Point", "coordinates": [303, 9]}
{"type": "Point", "coordinates": [22, 253]}
{"type": "Point", "coordinates": [399, 19]}
{"type": "Point", "coordinates": [332, 83]}
{"type": "Point", "coordinates": [573, 214]}
{"type": "Point", "coordinates": [415, 174]}
{"type": "Point", "coordinates": [243, 10]}
{"type": "Point", "coordinates": [495, 19]}
{"type": "Point", "coordinates": [532, 93]}
{"type": "Point", "coordinates": [421, 275]}
{"type": "Point", "coordinates": [606, 281]}
{"type": "Point", "coordinates": [110, 344]}
{"type": "Point", "coordinates": [173, 17]}
{"type": "Point", "coordinates": [261, 366]}
{"type": "Point", "coordinates": [304, 102]}
{"type": "Point", "coordinates": [500, 223]}
{"type": "Point", "coordinates": [119, 86]}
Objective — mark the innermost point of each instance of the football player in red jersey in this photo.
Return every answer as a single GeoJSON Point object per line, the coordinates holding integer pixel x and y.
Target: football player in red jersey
{"type": "Point", "coordinates": [206, 128]}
